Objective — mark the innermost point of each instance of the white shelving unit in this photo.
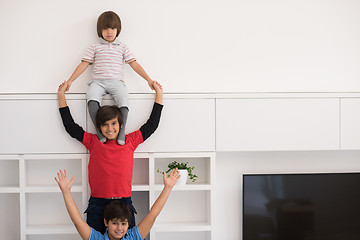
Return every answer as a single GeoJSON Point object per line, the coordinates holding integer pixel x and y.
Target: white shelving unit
{"type": "Point", "coordinates": [180, 215]}
{"type": "Point", "coordinates": [29, 188]}
{"type": "Point", "coordinates": [190, 208]}
{"type": "Point", "coordinates": [28, 185]}
{"type": "Point", "coordinates": [30, 195]}
{"type": "Point", "coordinates": [32, 153]}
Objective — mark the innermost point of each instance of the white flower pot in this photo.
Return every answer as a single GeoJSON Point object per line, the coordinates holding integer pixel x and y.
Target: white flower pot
{"type": "Point", "coordinates": [183, 177]}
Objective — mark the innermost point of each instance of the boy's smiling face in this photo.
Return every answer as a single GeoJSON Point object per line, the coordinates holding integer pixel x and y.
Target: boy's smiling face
{"type": "Point", "coordinates": [109, 34]}
{"type": "Point", "coordinates": [110, 129]}
{"type": "Point", "coordinates": [117, 228]}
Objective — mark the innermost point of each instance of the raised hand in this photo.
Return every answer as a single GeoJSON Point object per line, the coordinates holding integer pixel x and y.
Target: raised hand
{"type": "Point", "coordinates": [172, 179]}
{"type": "Point", "coordinates": [157, 86]}
{"type": "Point", "coordinates": [63, 87]}
{"type": "Point", "coordinates": [63, 181]}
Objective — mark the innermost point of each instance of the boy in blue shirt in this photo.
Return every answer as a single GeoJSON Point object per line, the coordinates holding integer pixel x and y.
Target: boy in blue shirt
{"type": "Point", "coordinates": [116, 215]}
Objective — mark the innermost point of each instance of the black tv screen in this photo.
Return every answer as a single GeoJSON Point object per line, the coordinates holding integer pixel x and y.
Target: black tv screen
{"type": "Point", "coordinates": [301, 206]}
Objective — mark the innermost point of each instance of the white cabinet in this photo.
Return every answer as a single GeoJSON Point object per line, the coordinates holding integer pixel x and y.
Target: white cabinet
{"type": "Point", "coordinates": [29, 193]}
{"type": "Point", "coordinates": [9, 197]}
{"type": "Point", "coordinates": [350, 123]}
{"type": "Point", "coordinates": [10, 214]}
{"type": "Point", "coordinates": [34, 126]}
{"type": "Point", "coordinates": [186, 124]}
{"type": "Point", "coordinates": [189, 212]}
{"type": "Point", "coordinates": [178, 217]}
{"type": "Point", "coordinates": [277, 124]}
{"type": "Point", "coordinates": [42, 195]}
{"type": "Point", "coordinates": [32, 198]}
{"type": "Point", "coordinates": [34, 146]}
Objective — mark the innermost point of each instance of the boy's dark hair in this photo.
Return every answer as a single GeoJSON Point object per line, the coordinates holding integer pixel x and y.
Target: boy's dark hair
{"type": "Point", "coordinates": [108, 19]}
{"type": "Point", "coordinates": [117, 210]}
{"type": "Point", "coordinates": [106, 113]}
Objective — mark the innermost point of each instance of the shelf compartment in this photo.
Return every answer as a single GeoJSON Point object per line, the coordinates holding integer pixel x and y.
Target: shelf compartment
{"type": "Point", "coordinates": [10, 215]}
{"type": "Point", "coordinates": [9, 172]}
{"type": "Point", "coordinates": [177, 209]}
{"type": "Point", "coordinates": [141, 204]}
{"type": "Point", "coordinates": [49, 167]}
{"type": "Point", "coordinates": [140, 171]}
{"type": "Point", "coordinates": [44, 210]}
{"type": "Point", "coordinates": [202, 168]}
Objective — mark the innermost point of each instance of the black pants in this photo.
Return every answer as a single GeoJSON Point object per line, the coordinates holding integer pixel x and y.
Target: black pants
{"type": "Point", "coordinates": [95, 212]}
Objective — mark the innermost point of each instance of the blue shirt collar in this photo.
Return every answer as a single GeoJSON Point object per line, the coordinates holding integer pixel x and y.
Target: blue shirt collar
{"type": "Point", "coordinates": [106, 235]}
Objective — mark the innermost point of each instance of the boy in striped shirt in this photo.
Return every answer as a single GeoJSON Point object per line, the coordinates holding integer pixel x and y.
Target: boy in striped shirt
{"type": "Point", "coordinates": [108, 58]}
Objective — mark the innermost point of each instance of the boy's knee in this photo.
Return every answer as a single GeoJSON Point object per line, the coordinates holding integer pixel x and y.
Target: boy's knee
{"type": "Point", "coordinates": [93, 104]}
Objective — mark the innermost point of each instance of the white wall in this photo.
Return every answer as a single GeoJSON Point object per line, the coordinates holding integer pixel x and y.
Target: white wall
{"type": "Point", "coordinates": [189, 46]}
{"type": "Point", "coordinates": [198, 46]}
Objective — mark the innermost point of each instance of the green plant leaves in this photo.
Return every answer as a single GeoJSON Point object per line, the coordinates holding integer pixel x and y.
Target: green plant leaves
{"type": "Point", "coordinates": [183, 165]}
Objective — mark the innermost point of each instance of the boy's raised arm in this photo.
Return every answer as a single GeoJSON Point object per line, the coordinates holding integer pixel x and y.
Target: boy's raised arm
{"type": "Point", "coordinates": [152, 123]}
{"type": "Point", "coordinates": [65, 186]}
{"type": "Point", "coordinates": [139, 70]}
{"type": "Point", "coordinates": [146, 224]}
{"type": "Point", "coordinates": [159, 92]}
{"type": "Point", "coordinates": [61, 94]}
{"type": "Point", "coordinates": [78, 71]}
{"type": "Point", "coordinates": [71, 127]}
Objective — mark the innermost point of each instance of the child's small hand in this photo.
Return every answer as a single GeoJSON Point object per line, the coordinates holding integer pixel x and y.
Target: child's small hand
{"type": "Point", "coordinates": [157, 87]}
{"type": "Point", "coordinates": [63, 181]}
{"type": "Point", "coordinates": [172, 179]}
{"type": "Point", "coordinates": [62, 87]}
{"type": "Point", "coordinates": [151, 83]}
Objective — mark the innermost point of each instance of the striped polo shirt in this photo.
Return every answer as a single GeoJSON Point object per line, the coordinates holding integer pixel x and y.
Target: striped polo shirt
{"type": "Point", "coordinates": [108, 59]}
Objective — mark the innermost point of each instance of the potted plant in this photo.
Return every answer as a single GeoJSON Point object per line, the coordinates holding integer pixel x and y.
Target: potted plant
{"type": "Point", "coordinates": [184, 170]}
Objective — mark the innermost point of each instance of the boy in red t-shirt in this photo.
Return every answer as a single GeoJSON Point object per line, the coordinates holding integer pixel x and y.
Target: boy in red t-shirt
{"type": "Point", "coordinates": [110, 165]}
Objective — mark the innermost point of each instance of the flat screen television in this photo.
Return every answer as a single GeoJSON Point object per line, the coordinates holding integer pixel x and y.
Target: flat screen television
{"type": "Point", "coordinates": [316, 206]}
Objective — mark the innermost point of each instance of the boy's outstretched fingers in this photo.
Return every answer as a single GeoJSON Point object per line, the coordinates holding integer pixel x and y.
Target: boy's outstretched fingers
{"type": "Point", "coordinates": [173, 178]}
{"type": "Point", "coordinates": [175, 173]}
{"type": "Point", "coordinates": [59, 176]}
{"type": "Point", "coordinates": [62, 180]}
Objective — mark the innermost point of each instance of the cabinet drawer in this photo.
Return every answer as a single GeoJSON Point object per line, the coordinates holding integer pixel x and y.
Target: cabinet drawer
{"type": "Point", "coordinates": [277, 124]}
{"type": "Point", "coordinates": [185, 125]}
{"type": "Point", "coordinates": [35, 126]}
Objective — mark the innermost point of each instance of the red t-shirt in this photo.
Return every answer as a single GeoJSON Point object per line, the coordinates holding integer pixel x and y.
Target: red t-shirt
{"type": "Point", "coordinates": [111, 165]}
